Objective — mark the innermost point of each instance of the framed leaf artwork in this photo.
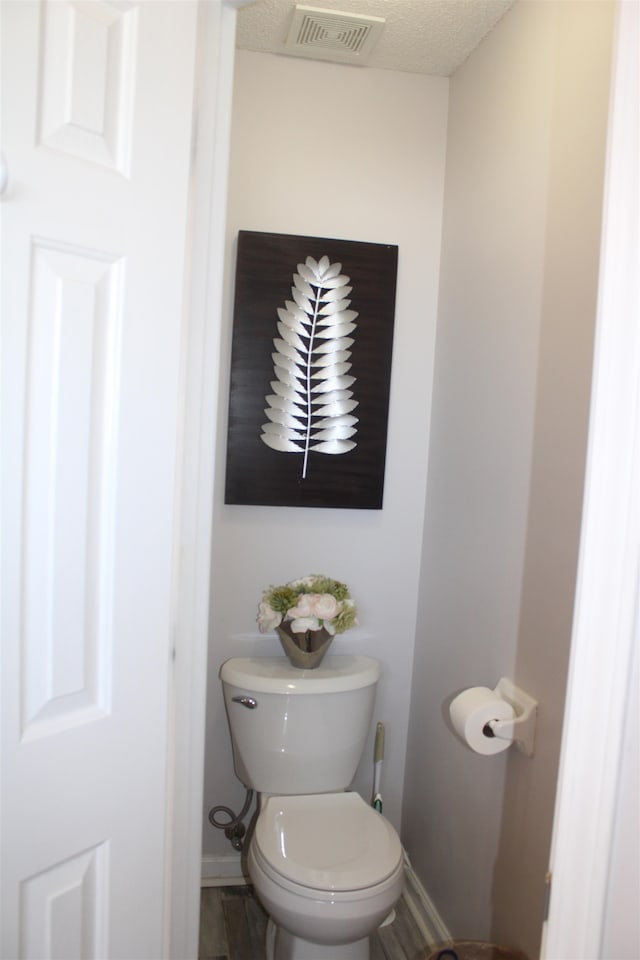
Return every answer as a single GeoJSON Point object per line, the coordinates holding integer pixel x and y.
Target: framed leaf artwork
{"type": "Point", "coordinates": [310, 371]}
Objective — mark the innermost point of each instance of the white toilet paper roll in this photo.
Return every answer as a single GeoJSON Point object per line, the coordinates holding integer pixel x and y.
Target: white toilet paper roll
{"type": "Point", "coordinates": [471, 710]}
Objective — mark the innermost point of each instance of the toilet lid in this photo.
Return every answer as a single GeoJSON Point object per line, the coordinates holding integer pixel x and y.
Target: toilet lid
{"type": "Point", "coordinates": [329, 841]}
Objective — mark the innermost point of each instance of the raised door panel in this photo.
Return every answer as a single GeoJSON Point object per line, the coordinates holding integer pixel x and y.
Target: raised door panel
{"type": "Point", "coordinates": [87, 80]}
{"type": "Point", "coordinates": [64, 909]}
{"type": "Point", "coordinates": [70, 458]}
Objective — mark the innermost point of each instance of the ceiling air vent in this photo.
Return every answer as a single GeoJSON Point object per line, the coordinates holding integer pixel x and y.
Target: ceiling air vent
{"type": "Point", "coordinates": [332, 35]}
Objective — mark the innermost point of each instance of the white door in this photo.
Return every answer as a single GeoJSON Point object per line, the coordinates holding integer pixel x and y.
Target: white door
{"type": "Point", "coordinates": [96, 130]}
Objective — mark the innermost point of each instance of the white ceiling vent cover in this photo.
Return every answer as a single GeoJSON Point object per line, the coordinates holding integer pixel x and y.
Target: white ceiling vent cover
{"type": "Point", "coordinates": [332, 35]}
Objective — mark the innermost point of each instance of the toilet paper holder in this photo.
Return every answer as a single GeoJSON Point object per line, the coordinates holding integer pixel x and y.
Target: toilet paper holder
{"type": "Point", "coordinates": [521, 729]}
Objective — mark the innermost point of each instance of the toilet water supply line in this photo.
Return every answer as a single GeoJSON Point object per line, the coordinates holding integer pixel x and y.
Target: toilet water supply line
{"type": "Point", "coordinates": [234, 828]}
{"type": "Point", "coordinates": [378, 757]}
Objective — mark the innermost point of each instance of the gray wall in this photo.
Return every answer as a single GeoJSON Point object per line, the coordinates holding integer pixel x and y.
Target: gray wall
{"type": "Point", "coordinates": [325, 150]}
{"type": "Point", "coordinates": [523, 195]}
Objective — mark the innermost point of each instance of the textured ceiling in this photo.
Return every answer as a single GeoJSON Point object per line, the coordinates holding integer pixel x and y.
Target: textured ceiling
{"type": "Point", "coordinates": [420, 36]}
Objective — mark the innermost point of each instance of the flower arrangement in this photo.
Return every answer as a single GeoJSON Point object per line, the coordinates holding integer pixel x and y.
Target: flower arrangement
{"type": "Point", "coordinates": [308, 605]}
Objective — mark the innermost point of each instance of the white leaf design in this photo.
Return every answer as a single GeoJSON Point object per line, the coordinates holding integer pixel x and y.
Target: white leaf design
{"type": "Point", "coordinates": [337, 330]}
{"type": "Point", "coordinates": [333, 446]}
{"type": "Point", "coordinates": [335, 383]}
{"type": "Point", "coordinates": [346, 420]}
{"type": "Point", "coordinates": [335, 346]}
{"type": "Point", "coordinates": [332, 397]}
{"type": "Point", "coordinates": [281, 444]}
{"type": "Point", "coordinates": [290, 336]}
{"type": "Point", "coordinates": [284, 418]}
{"type": "Point", "coordinates": [338, 356]}
{"type": "Point", "coordinates": [311, 407]}
{"type": "Point", "coordinates": [339, 433]}
{"type": "Point", "coordinates": [337, 408]}
{"type": "Point", "coordinates": [283, 390]}
{"type": "Point", "coordinates": [332, 295]}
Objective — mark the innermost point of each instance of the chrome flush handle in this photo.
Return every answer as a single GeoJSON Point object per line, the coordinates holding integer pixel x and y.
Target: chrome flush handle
{"type": "Point", "coordinates": [248, 702]}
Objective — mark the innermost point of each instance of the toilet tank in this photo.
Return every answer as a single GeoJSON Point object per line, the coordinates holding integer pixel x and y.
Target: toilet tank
{"type": "Point", "coordinates": [298, 731]}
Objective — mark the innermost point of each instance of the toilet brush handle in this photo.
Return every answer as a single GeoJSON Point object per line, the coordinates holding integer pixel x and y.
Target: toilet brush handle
{"type": "Point", "coordinates": [378, 757]}
{"type": "Point", "coordinates": [378, 750]}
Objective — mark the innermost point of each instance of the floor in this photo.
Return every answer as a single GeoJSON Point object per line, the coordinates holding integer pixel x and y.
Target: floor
{"type": "Point", "coordinates": [233, 924]}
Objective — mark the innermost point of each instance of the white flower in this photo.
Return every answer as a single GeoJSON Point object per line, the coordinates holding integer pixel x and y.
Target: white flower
{"type": "Point", "coordinates": [302, 624]}
{"type": "Point", "coordinates": [268, 619]}
{"type": "Point", "coordinates": [350, 605]}
{"type": "Point", "coordinates": [302, 582]}
{"type": "Point", "coordinates": [325, 607]}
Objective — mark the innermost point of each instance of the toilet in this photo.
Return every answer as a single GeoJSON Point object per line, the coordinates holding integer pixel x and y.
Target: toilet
{"type": "Point", "coordinates": [326, 866]}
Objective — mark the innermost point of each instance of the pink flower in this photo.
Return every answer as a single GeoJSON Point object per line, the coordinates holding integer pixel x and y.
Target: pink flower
{"type": "Point", "coordinates": [304, 607]}
{"type": "Point", "coordinates": [320, 605]}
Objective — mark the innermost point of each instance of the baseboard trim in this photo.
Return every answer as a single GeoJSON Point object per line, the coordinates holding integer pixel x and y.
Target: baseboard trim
{"type": "Point", "coordinates": [222, 872]}
{"type": "Point", "coordinates": [422, 908]}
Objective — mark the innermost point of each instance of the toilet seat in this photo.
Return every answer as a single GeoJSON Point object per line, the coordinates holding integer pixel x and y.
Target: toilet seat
{"type": "Point", "coordinates": [333, 843]}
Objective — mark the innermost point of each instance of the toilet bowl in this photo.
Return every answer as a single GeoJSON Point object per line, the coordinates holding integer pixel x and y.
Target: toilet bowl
{"type": "Point", "coordinates": [328, 869]}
